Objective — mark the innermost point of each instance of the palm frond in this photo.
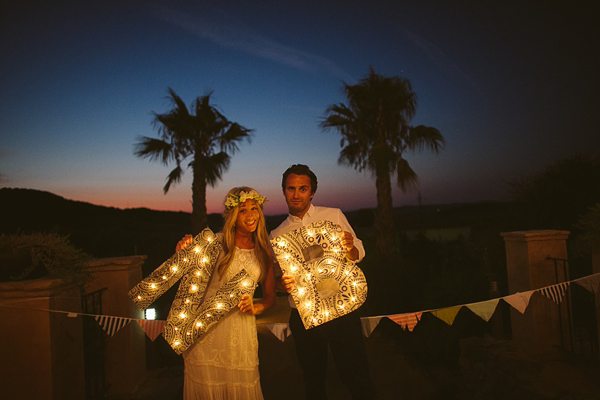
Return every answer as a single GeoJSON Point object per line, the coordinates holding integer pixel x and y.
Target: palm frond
{"type": "Point", "coordinates": [425, 137]}
{"type": "Point", "coordinates": [407, 177]}
{"type": "Point", "coordinates": [214, 167]}
{"type": "Point", "coordinates": [235, 133]}
{"type": "Point", "coordinates": [353, 156]}
{"type": "Point", "coordinates": [180, 107]}
{"type": "Point", "coordinates": [154, 149]}
{"type": "Point", "coordinates": [173, 178]}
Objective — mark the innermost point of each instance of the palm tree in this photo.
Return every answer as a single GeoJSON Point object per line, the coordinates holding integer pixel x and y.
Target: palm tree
{"type": "Point", "coordinates": [201, 134]}
{"type": "Point", "coordinates": [376, 136]}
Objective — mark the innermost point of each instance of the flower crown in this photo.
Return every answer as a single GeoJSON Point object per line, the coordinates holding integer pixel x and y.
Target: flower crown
{"type": "Point", "coordinates": [234, 200]}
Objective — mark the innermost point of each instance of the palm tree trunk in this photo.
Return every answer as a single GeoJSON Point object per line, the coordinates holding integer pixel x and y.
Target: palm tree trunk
{"type": "Point", "coordinates": [199, 221]}
{"type": "Point", "coordinates": [384, 218]}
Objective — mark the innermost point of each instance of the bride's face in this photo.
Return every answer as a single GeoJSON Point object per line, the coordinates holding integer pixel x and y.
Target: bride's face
{"type": "Point", "coordinates": [248, 216]}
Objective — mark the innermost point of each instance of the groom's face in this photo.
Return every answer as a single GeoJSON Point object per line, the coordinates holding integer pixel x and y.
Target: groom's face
{"type": "Point", "coordinates": [298, 194]}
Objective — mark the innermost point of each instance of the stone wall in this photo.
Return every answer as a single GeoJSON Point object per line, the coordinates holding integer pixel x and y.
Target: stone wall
{"type": "Point", "coordinates": [41, 345]}
{"type": "Point", "coordinates": [42, 352]}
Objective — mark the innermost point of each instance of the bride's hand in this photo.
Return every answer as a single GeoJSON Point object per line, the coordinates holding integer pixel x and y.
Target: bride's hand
{"type": "Point", "coordinates": [246, 306]}
{"type": "Point", "coordinates": [184, 242]}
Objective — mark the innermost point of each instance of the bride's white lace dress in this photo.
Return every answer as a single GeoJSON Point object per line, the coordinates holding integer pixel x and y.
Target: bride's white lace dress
{"type": "Point", "coordinates": [224, 364]}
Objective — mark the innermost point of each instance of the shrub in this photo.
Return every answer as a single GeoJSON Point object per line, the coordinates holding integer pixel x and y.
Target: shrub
{"type": "Point", "coordinates": [36, 255]}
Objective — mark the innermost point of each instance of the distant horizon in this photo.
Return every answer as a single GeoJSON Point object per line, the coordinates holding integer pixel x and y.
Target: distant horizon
{"type": "Point", "coordinates": [266, 211]}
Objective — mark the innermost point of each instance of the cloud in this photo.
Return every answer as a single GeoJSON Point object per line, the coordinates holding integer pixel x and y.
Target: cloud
{"type": "Point", "coordinates": [224, 30]}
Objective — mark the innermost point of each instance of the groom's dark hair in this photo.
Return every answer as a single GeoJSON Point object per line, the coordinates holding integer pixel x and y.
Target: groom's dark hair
{"type": "Point", "coordinates": [300, 169]}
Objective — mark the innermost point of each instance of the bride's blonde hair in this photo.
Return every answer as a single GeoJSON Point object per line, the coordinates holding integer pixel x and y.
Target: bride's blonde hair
{"type": "Point", "coordinates": [262, 246]}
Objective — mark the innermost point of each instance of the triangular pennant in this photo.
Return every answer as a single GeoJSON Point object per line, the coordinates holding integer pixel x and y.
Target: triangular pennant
{"type": "Point", "coordinates": [408, 320]}
{"type": "Point", "coordinates": [484, 309]}
{"type": "Point", "coordinates": [153, 328]}
{"type": "Point", "coordinates": [281, 330]}
{"type": "Point", "coordinates": [555, 292]}
{"type": "Point", "coordinates": [111, 325]}
{"type": "Point", "coordinates": [591, 283]}
{"type": "Point", "coordinates": [447, 314]}
{"type": "Point", "coordinates": [519, 301]}
{"type": "Point", "coordinates": [369, 324]}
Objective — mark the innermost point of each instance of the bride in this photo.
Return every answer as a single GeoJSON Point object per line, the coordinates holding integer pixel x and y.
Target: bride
{"type": "Point", "coordinates": [224, 363]}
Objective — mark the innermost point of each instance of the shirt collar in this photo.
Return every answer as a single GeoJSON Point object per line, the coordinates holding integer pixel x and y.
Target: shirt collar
{"type": "Point", "coordinates": [308, 213]}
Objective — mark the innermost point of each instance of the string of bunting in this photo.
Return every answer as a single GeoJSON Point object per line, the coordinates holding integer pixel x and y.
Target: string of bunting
{"type": "Point", "coordinates": [408, 321]}
{"type": "Point", "coordinates": [485, 309]}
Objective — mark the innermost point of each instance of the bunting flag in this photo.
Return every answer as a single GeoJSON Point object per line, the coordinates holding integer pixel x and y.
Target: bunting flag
{"type": "Point", "coordinates": [590, 283]}
{"type": "Point", "coordinates": [281, 330]}
{"type": "Point", "coordinates": [484, 309]}
{"type": "Point", "coordinates": [555, 292]}
{"type": "Point", "coordinates": [369, 324]}
{"type": "Point", "coordinates": [408, 320]}
{"type": "Point", "coordinates": [447, 314]}
{"type": "Point", "coordinates": [151, 327]}
{"type": "Point", "coordinates": [519, 301]}
{"type": "Point", "coordinates": [111, 325]}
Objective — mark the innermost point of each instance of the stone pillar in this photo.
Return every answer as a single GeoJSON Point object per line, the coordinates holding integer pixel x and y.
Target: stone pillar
{"type": "Point", "coordinates": [41, 352]}
{"type": "Point", "coordinates": [125, 356]}
{"type": "Point", "coordinates": [529, 268]}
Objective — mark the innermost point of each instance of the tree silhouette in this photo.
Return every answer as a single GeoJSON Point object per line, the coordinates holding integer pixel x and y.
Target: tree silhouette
{"type": "Point", "coordinates": [376, 135]}
{"type": "Point", "coordinates": [203, 135]}
{"type": "Point", "coordinates": [559, 195]}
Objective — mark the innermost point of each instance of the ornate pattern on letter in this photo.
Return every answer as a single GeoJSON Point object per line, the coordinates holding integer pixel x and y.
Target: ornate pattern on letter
{"type": "Point", "coordinates": [196, 262]}
{"type": "Point", "coordinates": [188, 321]}
{"type": "Point", "coordinates": [191, 315]}
{"type": "Point", "coordinates": [328, 285]}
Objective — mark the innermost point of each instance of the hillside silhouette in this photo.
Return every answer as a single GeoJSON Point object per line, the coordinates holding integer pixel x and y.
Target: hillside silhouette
{"type": "Point", "coordinates": [111, 232]}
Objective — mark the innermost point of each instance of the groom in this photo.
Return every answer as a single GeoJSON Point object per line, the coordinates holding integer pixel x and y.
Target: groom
{"type": "Point", "coordinates": [342, 335]}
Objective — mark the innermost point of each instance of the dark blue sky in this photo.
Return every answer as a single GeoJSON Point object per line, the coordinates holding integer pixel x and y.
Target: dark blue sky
{"type": "Point", "coordinates": [512, 86]}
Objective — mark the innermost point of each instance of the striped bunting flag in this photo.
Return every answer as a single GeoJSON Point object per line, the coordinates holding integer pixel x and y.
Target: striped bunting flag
{"type": "Point", "coordinates": [111, 325]}
{"type": "Point", "coordinates": [407, 321]}
{"type": "Point", "coordinates": [152, 327]}
{"type": "Point", "coordinates": [555, 292]}
{"type": "Point", "coordinates": [591, 283]}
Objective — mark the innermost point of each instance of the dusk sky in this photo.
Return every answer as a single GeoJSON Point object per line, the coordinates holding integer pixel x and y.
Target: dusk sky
{"type": "Point", "coordinates": [511, 85]}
